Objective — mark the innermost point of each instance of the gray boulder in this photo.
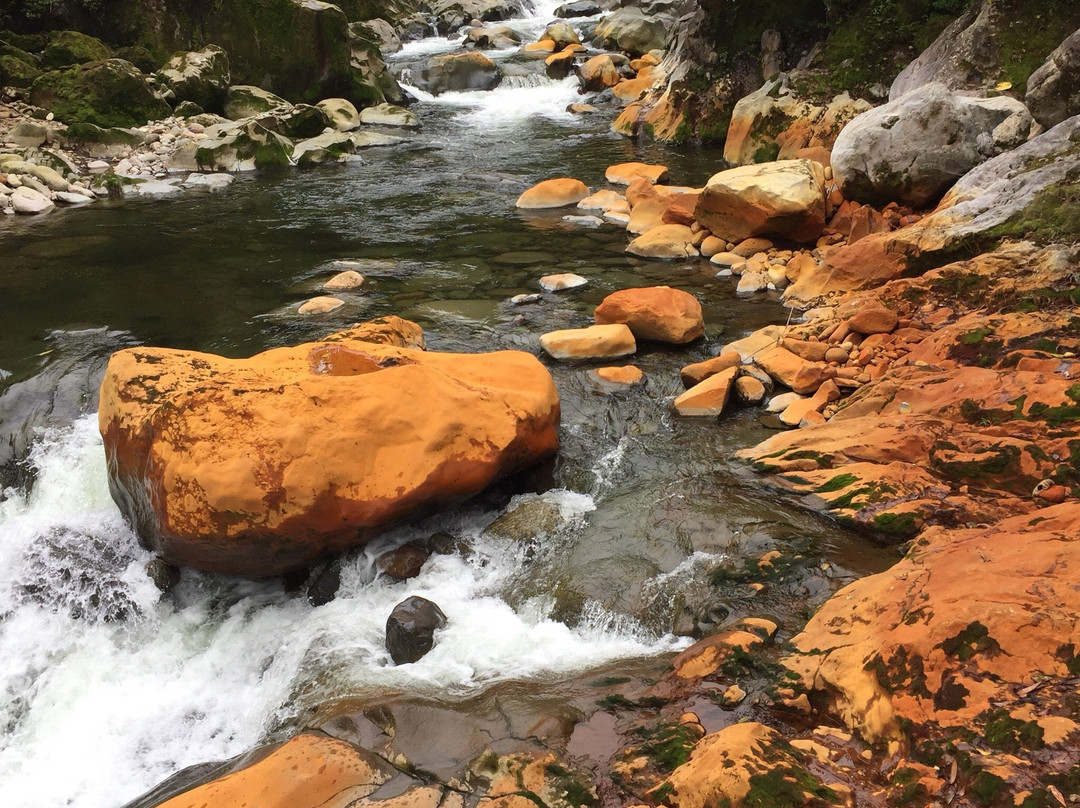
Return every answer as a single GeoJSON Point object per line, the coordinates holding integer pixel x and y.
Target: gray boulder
{"type": "Point", "coordinates": [580, 8]}
{"type": "Point", "coordinates": [243, 148]}
{"type": "Point", "coordinates": [458, 73]}
{"type": "Point", "coordinates": [201, 77]}
{"type": "Point", "coordinates": [1053, 91]}
{"type": "Point", "coordinates": [245, 100]}
{"type": "Point", "coordinates": [630, 30]}
{"type": "Point", "coordinates": [410, 629]}
{"type": "Point", "coordinates": [913, 149]}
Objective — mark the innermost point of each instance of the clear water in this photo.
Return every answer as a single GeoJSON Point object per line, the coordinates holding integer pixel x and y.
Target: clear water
{"type": "Point", "coordinates": [106, 688]}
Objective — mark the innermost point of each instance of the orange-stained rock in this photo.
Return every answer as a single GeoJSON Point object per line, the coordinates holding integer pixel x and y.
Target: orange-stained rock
{"type": "Point", "coordinates": [681, 210]}
{"type": "Point", "coordinates": [599, 73]}
{"type": "Point", "coordinates": [958, 624]}
{"type": "Point", "coordinates": [784, 199]}
{"type": "Point", "coordinates": [624, 376]}
{"type": "Point", "coordinates": [631, 89]}
{"type": "Point", "coordinates": [556, 193]}
{"type": "Point", "coordinates": [665, 241]}
{"type": "Point", "coordinates": [700, 371]}
{"type": "Point", "coordinates": [601, 200]}
{"type": "Point", "coordinates": [751, 246]}
{"type": "Point", "coordinates": [543, 46]}
{"type": "Point", "coordinates": [654, 312]}
{"type": "Point", "coordinates": [648, 214]}
{"type": "Point", "coordinates": [309, 771]}
{"type": "Point", "coordinates": [626, 173]}
{"type": "Point", "coordinates": [222, 464]}
{"type": "Point", "coordinates": [722, 764]}
{"type": "Point", "coordinates": [594, 342]}
{"type": "Point", "coordinates": [749, 390]}
{"type": "Point", "coordinates": [640, 190]}
{"type": "Point", "coordinates": [560, 65]}
{"type": "Point", "coordinates": [705, 657]}
{"type": "Point", "coordinates": [791, 370]}
{"type": "Point", "coordinates": [708, 398]}
{"type": "Point", "coordinates": [875, 320]}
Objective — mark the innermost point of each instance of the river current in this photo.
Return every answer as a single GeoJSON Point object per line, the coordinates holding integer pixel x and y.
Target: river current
{"type": "Point", "coordinates": [107, 687]}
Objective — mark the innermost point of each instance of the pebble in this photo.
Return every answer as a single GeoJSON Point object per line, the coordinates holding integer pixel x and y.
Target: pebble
{"type": "Point", "coordinates": [521, 300]}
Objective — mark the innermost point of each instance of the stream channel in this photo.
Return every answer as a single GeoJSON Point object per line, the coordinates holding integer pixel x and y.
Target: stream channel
{"type": "Point", "coordinates": [107, 687]}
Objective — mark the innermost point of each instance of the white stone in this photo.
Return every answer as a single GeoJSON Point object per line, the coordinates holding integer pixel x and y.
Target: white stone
{"type": "Point", "coordinates": [211, 182]}
{"type": "Point", "coordinates": [72, 198]}
{"type": "Point", "coordinates": [28, 201]}
{"type": "Point", "coordinates": [558, 283]}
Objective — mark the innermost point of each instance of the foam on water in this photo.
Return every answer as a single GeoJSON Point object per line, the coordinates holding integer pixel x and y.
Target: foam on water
{"type": "Point", "coordinates": [515, 102]}
{"type": "Point", "coordinates": [126, 688]}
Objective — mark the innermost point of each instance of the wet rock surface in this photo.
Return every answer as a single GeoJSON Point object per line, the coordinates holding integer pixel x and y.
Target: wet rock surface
{"type": "Point", "coordinates": [410, 629]}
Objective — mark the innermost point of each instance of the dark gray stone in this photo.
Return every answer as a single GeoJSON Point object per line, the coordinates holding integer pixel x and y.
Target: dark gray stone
{"type": "Point", "coordinates": [410, 629]}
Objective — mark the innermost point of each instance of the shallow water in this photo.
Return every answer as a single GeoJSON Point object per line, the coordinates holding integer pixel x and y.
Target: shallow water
{"type": "Point", "coordinates": [125, 687]}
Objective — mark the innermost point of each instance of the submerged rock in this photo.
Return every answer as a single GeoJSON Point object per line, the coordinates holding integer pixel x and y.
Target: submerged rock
{"type": "Point", "coordinates": [410, 629]}
{"type": "Point", "coordinates": [220, 463]}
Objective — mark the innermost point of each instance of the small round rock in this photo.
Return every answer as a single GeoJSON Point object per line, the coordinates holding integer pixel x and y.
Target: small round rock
{"type": "Point", "coordinates": [320, 305]}
{"type": "Point", "coordinates": [559, 283]}
{"type": "Point", "coordinates": [344, 281]}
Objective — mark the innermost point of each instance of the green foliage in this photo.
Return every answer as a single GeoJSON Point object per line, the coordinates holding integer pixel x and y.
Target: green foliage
{"type": "Point", "coordinates": [669, 745]}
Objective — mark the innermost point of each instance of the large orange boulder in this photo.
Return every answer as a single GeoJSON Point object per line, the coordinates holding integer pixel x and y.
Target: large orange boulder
{"type": "Point", "coordinates": [784, 199]}
{"type": "Point", "coordinates": [259, 466]}
{"type": "Point", "coordinates": [309, 771]}
{"type": "Point", "coordinates": [655, 312]}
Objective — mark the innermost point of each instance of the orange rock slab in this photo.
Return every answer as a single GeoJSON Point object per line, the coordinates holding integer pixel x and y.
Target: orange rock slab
{"type": "Point", "coordinates": [654, 313]}
{"type": "Point", "coordinates": [554, 193]}
{"type": "Point", "coordinates": [261, 465]}
{"type": "Point", "coordinates": [309, 771]}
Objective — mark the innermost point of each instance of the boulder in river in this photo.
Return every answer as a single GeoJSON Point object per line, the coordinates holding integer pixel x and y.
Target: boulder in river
{"type": "Point", "coordinates": [244, 148]}
{"type": "Point", "coordinates": [389, 115]}
{"type": "Point", "coordinates": [343, 115]}
{"type": "Point", "coordinates": [410, 629]}
{"type": "Point", "coordinates": [630, 30]}
{"type": "Point", "coordinates": [201, 77]}
{"type": "Point", "coordinates": [654, 313]}
{"type": "Point", "coordinates": [458, 73]}
{"type": "Point", "coordinates": [553, 193]}
{"type": "Point", "coordinates": [244, 101]}
{"type": "Point", "coordinates": [784, 199]}
{"type": "Point", "coordinates": [594, 342]}
{"type": "Point", "coordinates": [224, 464]}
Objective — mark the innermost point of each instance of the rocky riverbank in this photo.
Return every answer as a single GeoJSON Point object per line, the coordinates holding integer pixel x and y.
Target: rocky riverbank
{"type": "Point", "coordinates": [927, 392]}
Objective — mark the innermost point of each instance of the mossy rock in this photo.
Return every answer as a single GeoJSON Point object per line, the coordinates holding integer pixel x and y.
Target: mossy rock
{"type": "Point", "coordinates": [244, 148]}
{"type": "Point", "coordinates": [298, 123]}
{"type": "Point", "coordinates": [200, 76]}
{"type": "Point", "coordinates": [107, 93]}
{"type": "Point", "coordinates": [72, 48]}
{"type": "Point", "coordinates": [86, 133]}
{"type": "Point", "coordinates": [246, 100]}
{"type": "Point", "coordinates": [140, 57]}
{"type": "Point", "coordinates": [32, 43]}
{"type": "Point", "coordinates": [15, 72]}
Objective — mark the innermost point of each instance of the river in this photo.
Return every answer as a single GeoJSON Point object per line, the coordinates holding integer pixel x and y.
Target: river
{"type": "Point", "coordinates": [107, 687]}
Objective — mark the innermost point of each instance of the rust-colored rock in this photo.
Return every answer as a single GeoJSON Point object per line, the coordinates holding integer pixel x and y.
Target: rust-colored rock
{"type": "Point", "coordinates": [801, 376]}
{"type": "Point", "coordinates": [710, 397]}
{"type": "Point", "coordinates": [554, 193]}
{"type": "Point", "coordinates": [594, 342]}
{"type": "Point", "coordinates": [309, 771]}
{"type": "Point", "coordinates": [700, 371]}
{"type": "Point", "coordinates": [654, 313]}
{"type": "Point", "coordinates": [258, 466]}
{"type": "Point", "coordinates": [626, 173]}
{"type": "Point", "coordinates": [599, 73]}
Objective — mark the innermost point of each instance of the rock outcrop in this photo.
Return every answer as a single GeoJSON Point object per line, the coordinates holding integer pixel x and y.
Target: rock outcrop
{"type": "Point", "coordinates": [222, 464]}
{"type": "Point", "coordinates": [201, 77]}
{"type": "Point", "coordinates": [913, 149]}
{"type": "Point", "coordinates": [1053, 91]}
{"type": "Point", "coordinates": [106, 93]}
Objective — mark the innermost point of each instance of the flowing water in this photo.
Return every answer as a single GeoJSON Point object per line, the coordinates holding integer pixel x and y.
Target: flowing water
{"type": "Point", "coordinates": [107, 688]}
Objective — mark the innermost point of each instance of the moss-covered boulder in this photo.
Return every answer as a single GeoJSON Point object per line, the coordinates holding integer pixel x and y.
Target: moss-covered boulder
{"type": "Point", "coordinates": [72, 48]}
{"type": "Point", "coordinates": [459, 73]}
{"type": "Point", "coordinates": [296, 123]}
{"type": "Point", "coordinates": [102, 143]}
{"type": "Point", "coordinates": [139, 56]}
{"type": "Point", "coordinates": [199, 76]}
{"type": "Point", "coordinates": [371, 82]}
{"type": "Point", "coordinates": [244, 148]}
{"type": "Point", "coordinates": [107, 93]}
{"type": "Point", "coordinates": [17, 67]}
{"type": "Point", "coordinates": [246, 100]}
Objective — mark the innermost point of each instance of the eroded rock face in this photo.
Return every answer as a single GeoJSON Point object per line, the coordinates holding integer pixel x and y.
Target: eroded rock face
{"type": "Point", "coordinates": [784, 199]}
{"type": "Point", "coordinates": [201, 77]}
{"type": "Point", "coordinates": [923, 643]}
{"type": "Point", "coordinates": [913, 149]}
{"type": "Point", "coordinates": [222, 464]}
{"type": "Point", "coordinates": [1053, 91]}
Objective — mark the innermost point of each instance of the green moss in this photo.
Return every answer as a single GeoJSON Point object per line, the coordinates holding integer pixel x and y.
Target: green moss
{"type": "Point", "coordinates": [1011, 734]}
{"type": "Point", "coordinates": [784, 786]}
{"type": "Point", "coordinates": [1052, 216]}
{"type": "Point", "coordinates": [1024, 39]}
{"type": "Point", "coordinates": [73, 48]}
{"type": "Point", "coordinates": [109, 93]}
{"type": "Point", "coordinates": [896, 524]}
{"type": "Point", "coordinates": [907, 790]}
{"type": "Point", "coordinates": [836, 483]}
{"type": "Point", "coordinates": [901, 672]}
{"type": "Point", "coordinates": [987, 789]}
{"type": "Point", "coordinates": [975, 639]}
{"type": "Point", "coordinates": [976, 336]}
{"type": "Point", "coordinates": [668, 745]}
{"type": "Point", "coordinates": [15, 72]}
